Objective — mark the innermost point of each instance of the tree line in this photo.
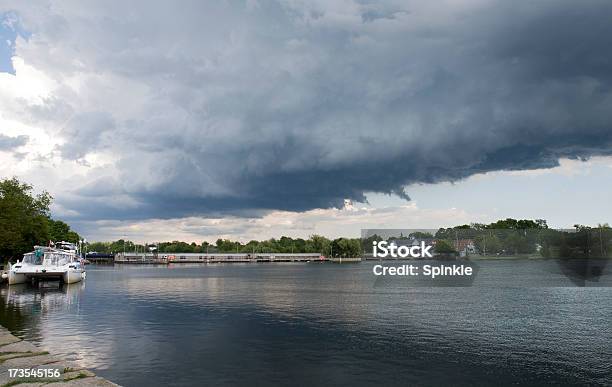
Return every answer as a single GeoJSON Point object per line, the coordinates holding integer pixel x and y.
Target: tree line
{"type": "Point", "coordinates": [503, 237]}
{"type": "Point", "coordinates": [25, 220]}
{"type": "Point", "coordinates": [339, 247]}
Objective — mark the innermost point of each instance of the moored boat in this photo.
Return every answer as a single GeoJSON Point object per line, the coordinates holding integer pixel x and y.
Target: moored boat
{"type": "Point", "coordinates": [60, 262]}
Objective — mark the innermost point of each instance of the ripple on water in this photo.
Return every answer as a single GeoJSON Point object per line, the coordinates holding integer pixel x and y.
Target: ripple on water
{"type": "Point", "coordinates": [319, 324]}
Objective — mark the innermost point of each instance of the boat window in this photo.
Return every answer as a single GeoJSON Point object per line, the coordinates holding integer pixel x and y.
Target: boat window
{"type": "Point", "coordinates": [56, 259]}
{"type": "Point", "coordinates": [32, 259]}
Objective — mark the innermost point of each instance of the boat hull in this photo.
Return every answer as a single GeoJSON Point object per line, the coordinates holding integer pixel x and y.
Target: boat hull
{"type": "Point", "coordinates": [73, 276]}
{"type": "Point", "coordinates": [16, 278]}
{"type": "Point", "coordinates": [69, 276]}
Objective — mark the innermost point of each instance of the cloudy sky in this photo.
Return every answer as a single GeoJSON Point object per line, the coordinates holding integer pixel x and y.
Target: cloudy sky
{"type": "Point", "coordinates": [159, 120]}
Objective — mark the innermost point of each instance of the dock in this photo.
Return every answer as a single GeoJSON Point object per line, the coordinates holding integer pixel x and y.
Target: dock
{"type": "Point", "coordinates": [20, 354]}
{"type": "Point", "coordinates": [166, 258]}
{"type": "Point", "coordinates": [100, 257]}
{"type": "Point", "coordinates": [140, 259]}
{"type": "Point", "coordinates": [345, 260]}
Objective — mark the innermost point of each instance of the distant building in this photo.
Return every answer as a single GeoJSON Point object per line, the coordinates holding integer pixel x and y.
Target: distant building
{"type": "Point", "coordinates": [465, 247]}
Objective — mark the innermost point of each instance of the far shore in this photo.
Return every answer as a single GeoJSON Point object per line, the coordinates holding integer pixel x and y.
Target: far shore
{"type": "Point", "coordinates": [478, 257]}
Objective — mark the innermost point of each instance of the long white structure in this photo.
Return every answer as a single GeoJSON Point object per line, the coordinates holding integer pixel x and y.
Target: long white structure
{"type": "Point", "coordinates": [217, 257]}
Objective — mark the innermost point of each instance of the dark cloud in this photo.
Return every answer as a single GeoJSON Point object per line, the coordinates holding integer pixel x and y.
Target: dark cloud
{"type": "Point", "coordinates": [242, 109]}
{"type": "Point", "coordinates": [86, 132]}
{"type": "Point", "coordinates": [8, 143]}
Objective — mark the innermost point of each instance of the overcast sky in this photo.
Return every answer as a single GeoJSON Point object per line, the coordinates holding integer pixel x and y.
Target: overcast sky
{"type": "Point", "coordinates": [252, 119]}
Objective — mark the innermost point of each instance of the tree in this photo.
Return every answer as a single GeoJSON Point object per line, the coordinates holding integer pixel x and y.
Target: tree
{"type": "Point", "coordinates": [228, 246]}
{"type": "Point", "coordinates": [345, 247]}
{"type": "Point", "coordinates": [444, 247]}
{"type": "Point", "coordinates": [60, 231]}
{"type": "Point", "coordinates": [520, 224]}
{"type": "Point", "coordinates": [318, 244]}
{"type": "Point", "coordinates": [488, 243]}
{"type": "Point", "coordinates": [517, 243]}
{"type": "Point", "coordinates": [23, 218]}
{"type": "Point", "coordinates": [99, 247]}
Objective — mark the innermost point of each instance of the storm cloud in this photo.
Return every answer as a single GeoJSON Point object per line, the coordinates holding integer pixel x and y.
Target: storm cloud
{"type": "Point", "coordinates": [239, 108]}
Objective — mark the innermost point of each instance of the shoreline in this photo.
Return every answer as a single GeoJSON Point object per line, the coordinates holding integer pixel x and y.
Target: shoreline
{"type": "Point", "coordinates": [16, 353]}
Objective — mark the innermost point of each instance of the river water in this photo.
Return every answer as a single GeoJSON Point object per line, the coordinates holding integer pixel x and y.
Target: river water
{"type": "Point", "coordinates": [521, 322]}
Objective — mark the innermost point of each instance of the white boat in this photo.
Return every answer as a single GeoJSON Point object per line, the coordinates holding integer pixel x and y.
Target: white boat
{"type": "Point", "coordinates": [60, 262]}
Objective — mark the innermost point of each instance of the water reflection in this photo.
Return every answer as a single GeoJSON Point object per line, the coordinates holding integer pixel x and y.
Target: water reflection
{"type": "Point", "coordinates": [36, 301]}
{"type": "Point", "coordinates": [318, 324]}
{"type": "Point", "coordinates": [49, 313]}
{"type": "Point", "coordinates": [586, 272]}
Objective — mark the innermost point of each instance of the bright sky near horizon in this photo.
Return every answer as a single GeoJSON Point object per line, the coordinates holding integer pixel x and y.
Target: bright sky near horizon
{"type": "Point", "coordinates": [256, 119]}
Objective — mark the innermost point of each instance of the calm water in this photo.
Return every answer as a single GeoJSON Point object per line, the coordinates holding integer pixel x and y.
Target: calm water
{"type": "Point", "coordinates": [320, 324]}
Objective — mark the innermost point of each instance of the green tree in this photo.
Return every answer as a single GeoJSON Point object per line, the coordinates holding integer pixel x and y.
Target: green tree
{"type": "Point", "coordinates": [99, 247]}
{"type": "Point", "coordinates": [346, 247]}
{"type": "Point", "coordinates": [443, 247]}
{"type": "Point", "coordinates": [318, 244]}
{"type": "Point", "coordinates": [23, 218]}
{"type": "Point", "coordinates": [228, 246]}
{"type": "Point", "coordinates": [520, 224]}
{"type": "Point", "coordinates": [488, 243]}
{"type": "Point", "coordinates": [516, 243]}
{"type": "Point", "coordinates": [60, 231]}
